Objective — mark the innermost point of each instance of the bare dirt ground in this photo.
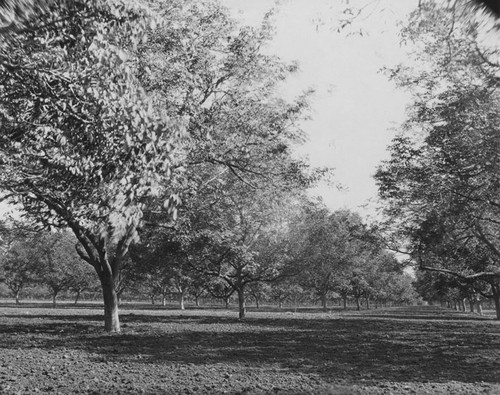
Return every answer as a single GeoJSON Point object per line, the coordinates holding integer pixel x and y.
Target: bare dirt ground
{"type": "Point", "coordinates": [415, 350]}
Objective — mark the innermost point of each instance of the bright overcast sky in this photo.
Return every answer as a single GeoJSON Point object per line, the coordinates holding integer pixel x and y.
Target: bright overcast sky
{"type": "Point", "coordinates": [355, 108]}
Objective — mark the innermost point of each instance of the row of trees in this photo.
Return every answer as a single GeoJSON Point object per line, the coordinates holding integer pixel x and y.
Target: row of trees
{"type": "Point", "coordinates": [111, 111]}
{"type": "Point", "coordinates": [120, 117]}
{"type": "Point", "coordinates": [442, 182]}
{"type": "Point", "coordinates": [160, 122]}
{"type": "Point", "coordinates": [321, 256]}
{"type": "Point", "coordinates": [451, 291]}
{"type": "Point", "coordinates": [50, 259]}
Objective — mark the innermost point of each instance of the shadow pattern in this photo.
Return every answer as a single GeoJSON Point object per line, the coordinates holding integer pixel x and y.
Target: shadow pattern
{"type": "Point", "coordinates": [413, 344]}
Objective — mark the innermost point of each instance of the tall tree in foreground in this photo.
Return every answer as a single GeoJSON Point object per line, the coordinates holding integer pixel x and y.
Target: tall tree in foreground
{"type": "Point", "coordinates": [82, 144]}
{"type": "Point", "coordinates": [442, 181]}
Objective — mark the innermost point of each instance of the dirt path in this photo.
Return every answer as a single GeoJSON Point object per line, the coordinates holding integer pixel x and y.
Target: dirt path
{"type": "Point", "coordinates": [411, 350]}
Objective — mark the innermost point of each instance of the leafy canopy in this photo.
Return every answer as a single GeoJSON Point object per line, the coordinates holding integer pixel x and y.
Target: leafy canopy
{"type": "Point", "coordinates": [82, 143]}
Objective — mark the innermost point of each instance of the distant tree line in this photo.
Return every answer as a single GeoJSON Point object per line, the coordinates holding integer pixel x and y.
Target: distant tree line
{"type": "Point", "coordinates": [317, 257]}
{"type": "Point", "coordinates": [151, 135]}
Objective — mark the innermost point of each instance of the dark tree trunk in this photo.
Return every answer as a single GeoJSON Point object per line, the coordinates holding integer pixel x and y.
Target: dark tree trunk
{"type": "Point", "coordinates": [77, 298]}
{"type": "Point", "coordinates": [344, 301]}
{"type": "Point", "coordinates": [358, 305]}
{"type": "Point", "coordinates": [111, 317]}
{"type": "Point", "coordinates": [17, 295]}
{"type": "Point", "coordinates": [324, 302]}
{"type": "Point", "coordinates": [257, 302]}
{"type": "Point", "coordinates": [181, 300]}
{"type": "Point", "coordinates": [496, 298]}
{"type": "Point", "coordinates": [54, 300]}
{"type": "Point", "coordinates": [367, 303]}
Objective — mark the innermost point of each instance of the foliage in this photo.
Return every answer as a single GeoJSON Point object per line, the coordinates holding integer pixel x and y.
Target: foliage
{"type": "Point", "coordinates": [18, 266]}
{"type": "Point", "coordinates": [58, 265]}
{"type": "Point", "coordinates": [259, 291]}
{"type": "Point", "coordinates": [331, 245]}
{"type": "Point", "coordinates": [77, 126]}
{"type": "Point", "coordinates": [208, 68]}
{"type": "Point", "coordinates": [236, 162]}
{"type": "Point", "coordinates": [220, 289]}
{"type": "Point", "coordinates": [442, 181]}
{"type": "Point", "coordinates": [286, 290]}
{"type": "Point", "coordinates": [107, 116]}
{"type": "Point", "coordinates": [238, 239]}
{"type": "Point", "coordinates": [160, 264]}
{"type": "Point", "coordinates": [82, 143]}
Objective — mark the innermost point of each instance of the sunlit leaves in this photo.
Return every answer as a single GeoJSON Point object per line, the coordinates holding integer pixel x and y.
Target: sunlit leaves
{"type": "Point", "coordinates": [442, 181]}
{"type": "Point", "coordinates": [79, 133]}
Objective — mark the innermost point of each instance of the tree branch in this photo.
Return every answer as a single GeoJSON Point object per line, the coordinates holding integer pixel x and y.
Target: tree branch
{"type": "Point", "coordinates": [474, 276]}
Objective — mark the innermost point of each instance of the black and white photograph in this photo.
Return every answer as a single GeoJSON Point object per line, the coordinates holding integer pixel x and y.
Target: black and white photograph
{"type": "Point", "coordinates": [249, 197]}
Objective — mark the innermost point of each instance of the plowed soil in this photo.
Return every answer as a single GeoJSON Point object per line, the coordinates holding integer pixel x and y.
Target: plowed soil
{"type": "Point", "coordinates": [415, 350]}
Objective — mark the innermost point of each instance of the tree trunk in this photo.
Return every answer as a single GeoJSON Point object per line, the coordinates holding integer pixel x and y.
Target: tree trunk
{"type": "Point", "coordinates": [163, 299]}
{"type": "Point", "coordinates": [344, 301]}
{"type": "Point", "coordinates": [257, 304]}
{"type": "Point", "coordinates": [197, 301]}
{"type": "Point", "coordinates": [77, 298]}
{"type": "Point", "coordinates": [462, 304]}
{"type": "Point", "coordinates": [181, 300]}
{"type": "Point", "coordinates": [479, 307]}
{"type": "Point", "coordinates": [367, 303]}
{"type": "Point", "coordinates": [226, 303]}
{"type": "Point", "coordinates": [17, 296]}
{"type": "Point", "coordinates": [111, 317]}
{"type": "Point", "coordinates": [471, 305]}
{"type": "Point", "coordinates": [54, 297]}
{"type": "Point", "coordinates": [358, 305]}
{"type": "Point", "coordinates": [496, 298]}
{"type": "Point", "coordinates": [241, 302]}
{"type": "Point", "coordinates": [324, 302]}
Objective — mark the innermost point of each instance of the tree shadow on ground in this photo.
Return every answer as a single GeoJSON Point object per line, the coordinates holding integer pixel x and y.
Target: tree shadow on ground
{"type": "Point", "coordinates": [371, 348]}
{"type": "Point", "coordinates": [427, 318]}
